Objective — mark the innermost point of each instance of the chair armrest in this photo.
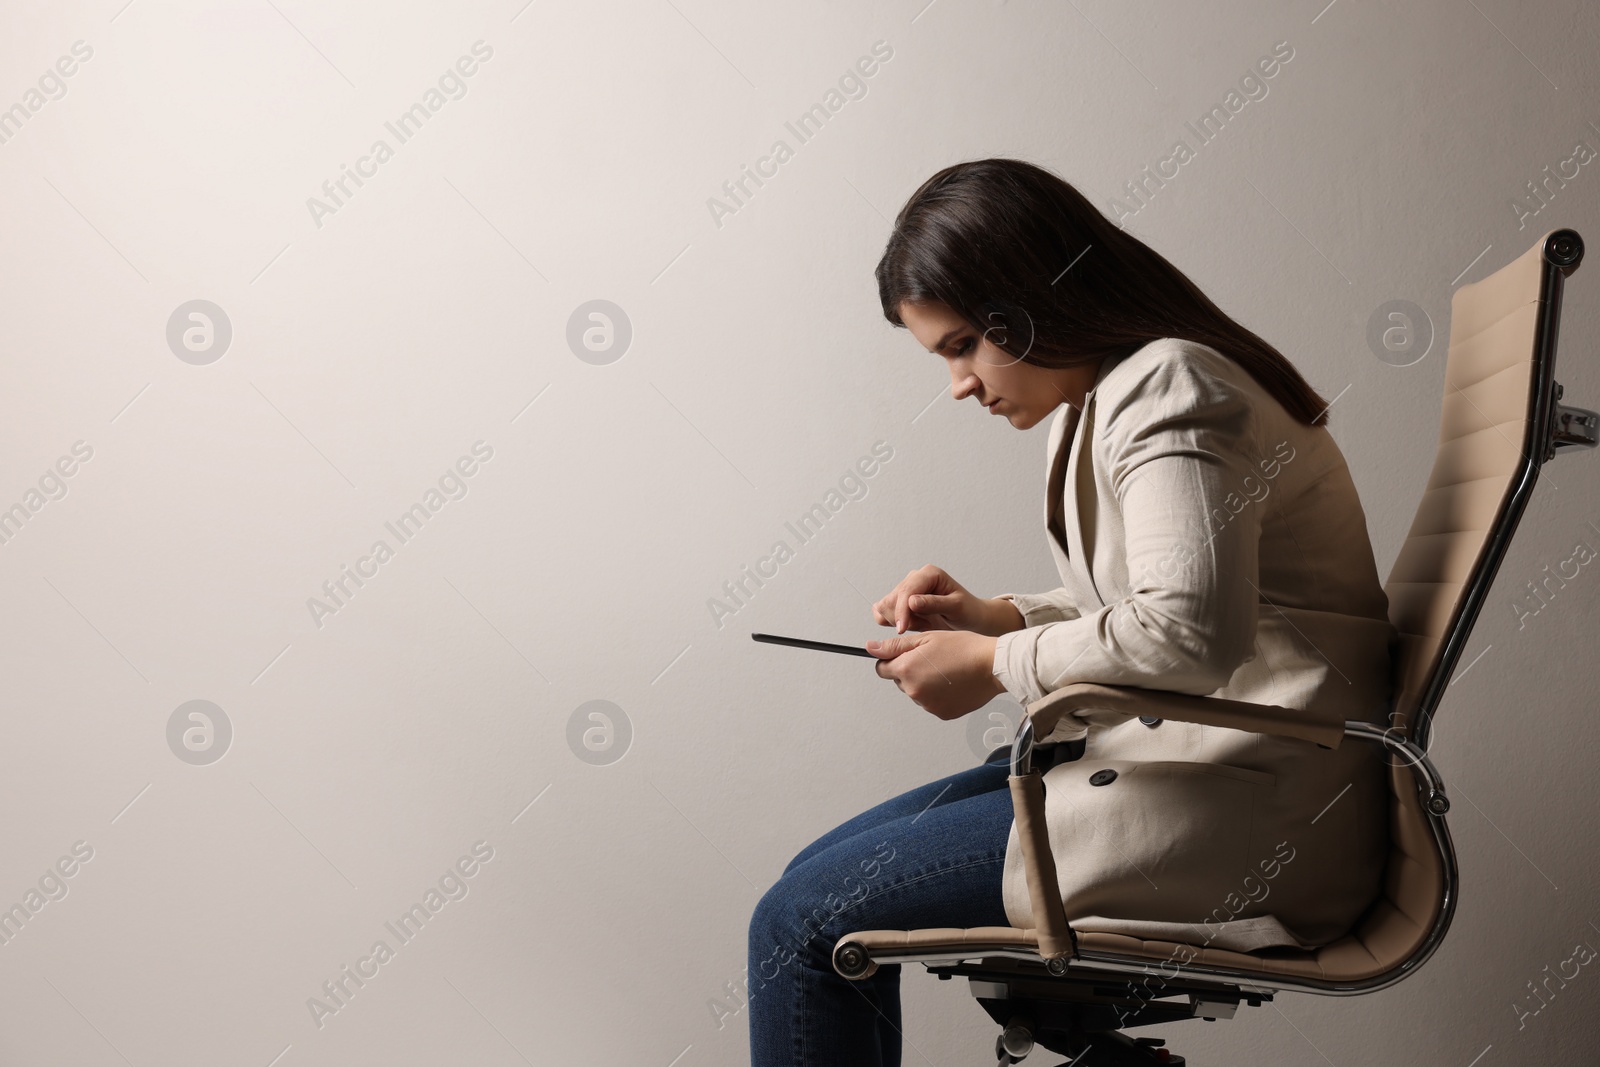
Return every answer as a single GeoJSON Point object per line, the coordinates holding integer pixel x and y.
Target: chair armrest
{"type": "Point", "coordinates": [1092, 703]}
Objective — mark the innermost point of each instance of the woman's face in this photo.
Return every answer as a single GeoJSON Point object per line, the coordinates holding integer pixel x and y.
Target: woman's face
{"type": "Point", "coordinates": [1024, 393]}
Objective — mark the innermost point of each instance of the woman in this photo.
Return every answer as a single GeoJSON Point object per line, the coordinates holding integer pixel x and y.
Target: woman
{"type": "Point", "coordinates": [1209, 541]}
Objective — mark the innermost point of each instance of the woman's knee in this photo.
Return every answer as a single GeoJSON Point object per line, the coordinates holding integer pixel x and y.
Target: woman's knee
{"type": "Point", "coordinates": [776, 944]}
{"type": "Point", "coordinates": [766, 919]}
{"type": "Point", "coordinates": [795, 919]}
{"type": "Point", "coordinates": [800, 857]}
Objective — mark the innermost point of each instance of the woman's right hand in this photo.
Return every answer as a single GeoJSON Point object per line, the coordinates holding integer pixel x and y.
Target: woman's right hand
{"type": "Point", "coordinates": [929, 599]}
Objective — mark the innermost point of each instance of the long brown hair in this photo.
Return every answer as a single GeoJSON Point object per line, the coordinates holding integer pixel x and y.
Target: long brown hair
{"type": "Point", "coordinates": [1025, 259]}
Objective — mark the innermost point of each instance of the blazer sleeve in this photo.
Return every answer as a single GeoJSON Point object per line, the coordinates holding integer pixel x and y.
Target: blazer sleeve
{"type": "Point", "coordinates": [1039, 608]}
{"type": "Point", "coordinates": [1178, 443]}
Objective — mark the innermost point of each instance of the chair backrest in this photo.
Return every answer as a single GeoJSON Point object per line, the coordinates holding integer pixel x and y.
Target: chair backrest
{"type": "Point", "coordinates": [1494, 429]}
{"type": "Point", "coordinates": [1494, 433]}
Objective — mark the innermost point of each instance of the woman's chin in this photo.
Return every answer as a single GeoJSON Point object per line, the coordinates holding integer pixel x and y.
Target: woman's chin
{"type": "Point", "coordinates": [1018, 419]}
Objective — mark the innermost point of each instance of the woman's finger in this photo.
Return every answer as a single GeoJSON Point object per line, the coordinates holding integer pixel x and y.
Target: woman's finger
{"type": "Point", "coordinates": [897, 610]}
{"type": "Point", "coordinates": [935, 604]}
{"type": "Point", "coordinates": [886, 612]}
{"type": "Point", "coordinates": [883, 611]}
{"type": "Point", "coordinates": [909, 617]}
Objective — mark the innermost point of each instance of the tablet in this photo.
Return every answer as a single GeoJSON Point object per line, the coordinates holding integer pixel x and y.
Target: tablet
{"type": "Point", "coordinates": [820, 646]}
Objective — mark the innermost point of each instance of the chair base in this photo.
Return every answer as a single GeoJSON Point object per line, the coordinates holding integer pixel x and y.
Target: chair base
{"type": "Point", "coordinates": [1105, 1050]}
{"type": "Point", "coordinates": [1083, 1018]}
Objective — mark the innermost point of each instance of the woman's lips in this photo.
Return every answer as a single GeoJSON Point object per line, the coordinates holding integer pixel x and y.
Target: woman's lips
{"type": "Point", "coordinates": [993, 406]}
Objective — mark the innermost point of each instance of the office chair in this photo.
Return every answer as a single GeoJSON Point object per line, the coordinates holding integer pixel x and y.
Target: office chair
{"type": "Point", "coordinates": [1073, 990]}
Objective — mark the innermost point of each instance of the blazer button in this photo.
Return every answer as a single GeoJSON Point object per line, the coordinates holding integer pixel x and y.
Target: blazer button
{"type": "Point", "coordinates": [1102, 776]}
{"type": "Point", "coordinates": [1151, 721]}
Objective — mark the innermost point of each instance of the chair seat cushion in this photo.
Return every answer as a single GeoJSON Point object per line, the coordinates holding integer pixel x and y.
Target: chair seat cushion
{"type": "Point", "coordinates": [1347, 959]}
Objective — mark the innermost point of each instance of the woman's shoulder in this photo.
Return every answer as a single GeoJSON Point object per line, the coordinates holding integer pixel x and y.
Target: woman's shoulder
{"type": "Point", "coordinates": [1171, 375]}
{"type": "Point", "coordinates": [1174, 383]}
{"type": "Point", "coordinates": [1169, 359]}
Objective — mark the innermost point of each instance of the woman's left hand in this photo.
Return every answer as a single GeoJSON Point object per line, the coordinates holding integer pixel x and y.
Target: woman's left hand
{"type": "Point", "coordinates": [946, 672]}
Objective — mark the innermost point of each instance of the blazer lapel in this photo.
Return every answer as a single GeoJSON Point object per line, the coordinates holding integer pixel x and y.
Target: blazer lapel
{"type": "Point", "coordinates": [1062, 434]}
{"type": "Point", "coordinates": [1066, 462]}
{"type": "Point", "coordinates": [1072, 471]}
{"type": "Point", "coordinates": [1078, 479]}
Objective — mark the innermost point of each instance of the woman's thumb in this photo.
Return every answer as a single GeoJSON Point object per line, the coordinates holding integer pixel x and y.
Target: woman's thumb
{"type": "Point", "coordinates": [891, 647]}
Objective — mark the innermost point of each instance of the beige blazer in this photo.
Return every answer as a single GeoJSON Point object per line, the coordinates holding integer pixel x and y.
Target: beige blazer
{"type": "Point", "coordinates": [1207, 543]}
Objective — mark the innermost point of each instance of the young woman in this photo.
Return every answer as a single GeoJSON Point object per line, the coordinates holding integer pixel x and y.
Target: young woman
{"type": "Point", "coordinates": [1209, 541]}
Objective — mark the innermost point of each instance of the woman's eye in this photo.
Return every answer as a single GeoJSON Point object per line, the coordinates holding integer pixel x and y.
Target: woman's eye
{"type": "Point", "coordinates": [964, 347]}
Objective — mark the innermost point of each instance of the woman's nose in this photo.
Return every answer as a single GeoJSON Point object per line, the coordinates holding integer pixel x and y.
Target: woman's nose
{"type": "Point", "coordinates": [963, 386]}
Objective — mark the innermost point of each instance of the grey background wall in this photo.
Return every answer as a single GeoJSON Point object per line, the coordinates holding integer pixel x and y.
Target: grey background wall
{"type": "Point", "coordinates": [361, 350]}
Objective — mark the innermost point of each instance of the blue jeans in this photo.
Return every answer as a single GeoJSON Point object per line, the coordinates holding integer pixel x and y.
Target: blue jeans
{"type": "Point", "coordinates": [931, 857]}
